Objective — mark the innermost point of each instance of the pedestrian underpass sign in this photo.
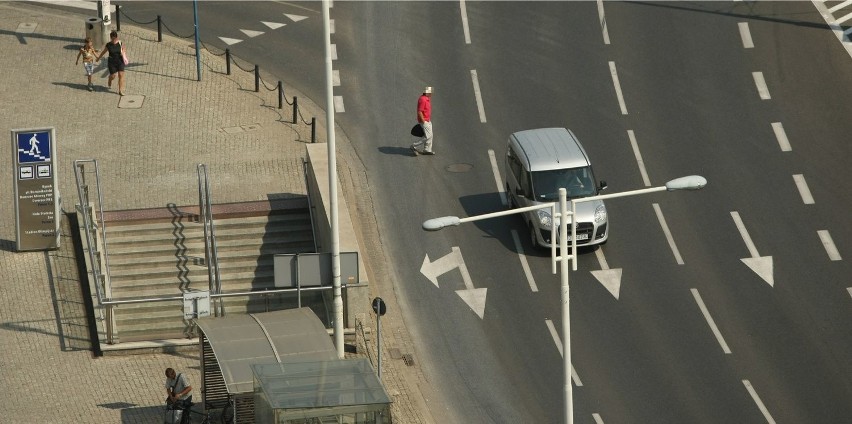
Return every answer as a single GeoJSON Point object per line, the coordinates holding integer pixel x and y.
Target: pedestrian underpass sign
{"type": "Point", "coordinates": [36, 193]}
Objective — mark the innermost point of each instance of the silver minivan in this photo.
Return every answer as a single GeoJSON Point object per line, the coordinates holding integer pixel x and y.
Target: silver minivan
{"type": "Point", "coordinates": [541, 161]}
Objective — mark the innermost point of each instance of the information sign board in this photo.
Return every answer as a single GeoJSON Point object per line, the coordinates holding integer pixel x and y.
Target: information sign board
{"type": "Point", "coordinates": [36, 193]}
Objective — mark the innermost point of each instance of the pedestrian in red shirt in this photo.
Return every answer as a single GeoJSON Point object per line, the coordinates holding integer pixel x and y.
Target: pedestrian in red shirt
{"type": "Point", "coordinates": [424, 117]}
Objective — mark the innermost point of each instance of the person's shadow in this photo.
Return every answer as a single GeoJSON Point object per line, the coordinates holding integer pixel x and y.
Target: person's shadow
{"type": "Point", "coordinates": [83, 86]}
{"type": "Point", "coordinates": [396, 150]}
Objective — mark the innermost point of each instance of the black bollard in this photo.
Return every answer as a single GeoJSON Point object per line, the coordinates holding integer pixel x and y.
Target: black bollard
{"type": "Point", "coordinates": [118, 18]}
{"type": "Point", "coordinates": [228, 61]}
{"type": "Point", "coordinates": [256, 78]}
{"type": "Point", "coordinates": [159, 29]}
{"type": "Point", "coordinates": [280, 95]}
{"type": "Point", "coordinates": [295, 108]}
{"type": "Point", "coordinates": [313, 130]}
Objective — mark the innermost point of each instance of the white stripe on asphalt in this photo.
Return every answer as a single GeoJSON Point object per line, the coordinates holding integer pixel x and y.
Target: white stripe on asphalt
{"type": "Point", "coordinates": [849, 289]}
{"type": "Point", "coordinates": [710, 321]}
{"type": "Point", "coordinates": [762, 90]}
{"type": "Point", "coordinates": [526, 266]}
{"type": "Point", "coordinates": [597, 417]}
{"type": "Point", "coordinates": [478, 95]}
{"type": "Point", "coordinates": [338, 104]}
{"type": "Point", "coordinates": [639, 160]}
{"type": "Point", "coordinates": [745, 34]}
{"type": "Point", "coordinates": [463, 8]}
{"type": "Point", "coordinates": [555, 335]}
{"type": "Point", "coordinates": [781, 135]}
{"type": "Point", "coordinates": [759, 403]}
{"type": "Point", "coordinates": [617, 85]}
{"type": "Point", "coordinates": [500, 189]}
{"type": "Point", "coordinates": [602, 20]}
{"type": "Point", "coordinates": [804, 191]}
{"type": "Point", "coordinates": [333, 51]}
{"type": "Point", "coordinates": [668, 234]}
{"type": "Point", "coordinates": [335, 78]}
{"type": "Point", "coordinates": [828, 243]}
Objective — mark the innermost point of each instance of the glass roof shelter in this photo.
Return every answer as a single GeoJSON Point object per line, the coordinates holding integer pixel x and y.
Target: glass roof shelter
{"type": "Point", "coordinates": [339, 391]}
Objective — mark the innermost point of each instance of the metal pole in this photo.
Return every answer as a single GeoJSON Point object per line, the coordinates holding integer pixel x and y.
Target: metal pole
{"type": "Point", "coordinates": [379, 343]}
{"type": "Point", "coordinates": [228, 61]}
{"type": "Point", "coordinates": [197, 51]}
{"type": "Point", "coordinates": [566, 312]}
{"type": "Point", "coordinates": [332, 182]}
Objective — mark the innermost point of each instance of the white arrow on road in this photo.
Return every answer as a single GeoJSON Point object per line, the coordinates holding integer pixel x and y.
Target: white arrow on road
{"type": "Point", "coordinates": [474, 297]}
{"type": "Point", "coordinates": [609, 278]}
{"type": "Point", "coordinates": [761, 265]}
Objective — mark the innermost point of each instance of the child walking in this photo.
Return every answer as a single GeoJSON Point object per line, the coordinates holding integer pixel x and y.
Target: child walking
{"type": "Point", "coordinates": [89, 54]}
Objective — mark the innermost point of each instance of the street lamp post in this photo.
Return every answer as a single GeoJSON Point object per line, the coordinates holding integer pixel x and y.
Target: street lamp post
{"type": "Point", "coordinates": [693, 182]}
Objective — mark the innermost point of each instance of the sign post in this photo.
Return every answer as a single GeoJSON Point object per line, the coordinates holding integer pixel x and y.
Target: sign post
{"type": "Point", "coordinates": [379, 308]}
{"type": "Point", "coordinates": [36, 191]}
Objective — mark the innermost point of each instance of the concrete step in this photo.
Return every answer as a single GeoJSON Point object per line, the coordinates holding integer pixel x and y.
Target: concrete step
{"type": "Point", "coordinates": [186, 238]}
{"type": "Point", "coordinates": [120, 229]}
{"type": "Point", "coordinates": [292, 243]}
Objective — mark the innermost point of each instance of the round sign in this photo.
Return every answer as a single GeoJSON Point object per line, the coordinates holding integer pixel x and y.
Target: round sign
{"type": "Point", "coordinates": [379, 306]}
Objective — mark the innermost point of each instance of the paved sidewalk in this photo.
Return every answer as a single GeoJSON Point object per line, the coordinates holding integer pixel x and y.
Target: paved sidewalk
{"type": "Point", "coordinates": [147, 158]}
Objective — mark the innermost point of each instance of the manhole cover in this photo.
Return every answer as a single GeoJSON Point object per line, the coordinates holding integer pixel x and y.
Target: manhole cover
{"type": "Point", "coordinates": [131, 101]}
{"type": "Point", "coordinates": [460, 167]}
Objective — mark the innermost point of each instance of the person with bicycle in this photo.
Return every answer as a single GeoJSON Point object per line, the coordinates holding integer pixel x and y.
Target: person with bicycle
{"type": "Point", "coordinates": [179, 392]}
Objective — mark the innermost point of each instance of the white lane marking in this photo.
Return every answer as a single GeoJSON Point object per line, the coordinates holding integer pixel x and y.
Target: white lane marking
{"type": "Point", "coordinates": [273, 25]}
{"type": "Point", "coordinates": [333, 51]}
{"type": "Point", "coordinates": [804, 191]}
{"type": "Point", "coordinates": [251, 33]}
{"type": "Point", "coordinates": [602, 20]}
{"type": "Point", "coordinates": [296, 18]}
{"type": "Point", "coordinates": [839, 6]}
{"type": "Point", "coordinates": [338, 104]}
{"type": "Point", "coordinates": [639, 160]}
{"type": "Point", "coordinates": [668, 233]}
{"type": "Point", "coordinates": [88, 5]}
{"type": "Point", "coordinates": [230, 41]}
{"type": "Point", "coordinates": [335, 77]}
{"type": "Point", "coordinates": [834, 26]}
{"type": "Point", "coordinates": [601, 258]}
{"type": "Point", "coordinates": [828, 243]}
{"type": "Point", "coordinates": [849, 289]}
{"type": "Point", "coordinates": [745, 34]}
{"type": "Point", "coordinates": [762, 89]}
{"type": "Point", "coordinates": [761, 265]}
{"type": "Point", "coordinates": [609, 278]}
{"type": "Point", "coordinates": [500, 189]}
{"type": "Point", "coordinates": [759, 403]}
{"type": "Point", "coordinates": [558, 341]}
{"type": "Point", "coordinates": [463, 8]}
{"type": "Point", "coordinates": [781, 135]}
{"type": "Point", "coordinates": [478, 95]}
{"type": "Point", "coordinates": [526, 266]}
{"type": "Point", "coordinates": [597, 417]}
{"type": "Point", "coordinates": [710, 321]}
{"type": "Point", "coordinates": [844, 19]}
{"type": "Point", "coordinates": [617, 85]}
{"type": "Point", "coordinates": [331, 26]}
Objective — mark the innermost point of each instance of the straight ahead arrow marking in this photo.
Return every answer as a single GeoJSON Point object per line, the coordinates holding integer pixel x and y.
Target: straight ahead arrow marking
{"type": "Point", "coordinates": [761, 265]}
{"type": "Point", "coordinates": [609, 278]}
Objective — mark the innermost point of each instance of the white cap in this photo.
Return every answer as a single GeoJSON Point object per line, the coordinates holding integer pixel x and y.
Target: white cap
{"type": "Point", "coordinates": [427, 90]}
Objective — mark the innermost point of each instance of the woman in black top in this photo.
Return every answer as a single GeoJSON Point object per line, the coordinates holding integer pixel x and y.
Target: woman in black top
{"type": "Point", "coordinates": [115, 63]}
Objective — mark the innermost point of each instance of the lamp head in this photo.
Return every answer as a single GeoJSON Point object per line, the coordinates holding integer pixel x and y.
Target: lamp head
{"type": "Point", "coordinates": [436, 224]}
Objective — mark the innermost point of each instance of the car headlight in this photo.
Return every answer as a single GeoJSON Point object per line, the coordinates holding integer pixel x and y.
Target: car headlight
{"type": "Point", "coordinates": [544, 218]}
{"type": "Point", "coordinates": [600, 214]}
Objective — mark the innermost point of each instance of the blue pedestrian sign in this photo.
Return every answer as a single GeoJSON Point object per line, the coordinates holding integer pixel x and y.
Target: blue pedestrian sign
{"type": "Point", "coordinates": [34, 147]}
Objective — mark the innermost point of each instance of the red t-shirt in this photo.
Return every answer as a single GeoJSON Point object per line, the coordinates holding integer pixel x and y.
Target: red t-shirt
{"type": "Point", "coordinates": [424, 106]}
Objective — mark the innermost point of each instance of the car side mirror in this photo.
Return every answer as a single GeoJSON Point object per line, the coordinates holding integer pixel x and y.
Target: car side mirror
{"type": "Point", "coordinates": [603, 185]}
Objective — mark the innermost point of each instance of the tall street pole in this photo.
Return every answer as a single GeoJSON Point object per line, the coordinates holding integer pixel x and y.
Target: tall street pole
{"type": "Point", "coordinates": [332, 182]}
{"type": "Point", "coordinates": [566, 311]}
{"type": "Point", "coordinates": [197, 51]}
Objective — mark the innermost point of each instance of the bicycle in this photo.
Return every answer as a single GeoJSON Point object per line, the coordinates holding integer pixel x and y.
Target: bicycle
{"type": "Point", "coordinates": [206, 417]}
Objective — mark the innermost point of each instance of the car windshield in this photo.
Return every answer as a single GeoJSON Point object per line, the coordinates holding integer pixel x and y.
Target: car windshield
{"type": "Point", "coordinates": [578, 181]}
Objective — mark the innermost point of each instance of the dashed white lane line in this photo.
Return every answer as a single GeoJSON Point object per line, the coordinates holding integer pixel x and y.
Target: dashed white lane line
{"type": "Point", "coordinates": [598, 419]}
{"type": "Point", "coordinates": [745, 34]}
{"type": "Point", "coordinates": [553, 333]}
{"type": "Point", "coordinates": [668, 234]}
{"type": "Point", "coordinates": [849, 289]}
{"type": "Point", "coordinates": [526, 266]}
{"type": "Point", "coordinates": [762, 89]}
{"type": "Point", "coordinates": [333, 51]}
{"type": "Point", "coordinates": [710, 321]}
{"type": "Point", "coordinates": [602, 19]}
{"type": "Point", "coordinates": [496, 170]}
{"type": "Point", "coordinates": [338, 104]}
{"type": "Point", "coordinates": [781, 135]}
{"type": "Point", "coordinates": [331, 26]}
{"type": "Point", "coordinates": [463, 8]}
{"type": "Point", "coordinates": [759, 403]}
{"type": "Point", "coordinates": [639, 160]}
{"type": "Point", "coordinates": [804, 191]}
{"type": "Point", "coordinates": [828, 243]}
{"type": "Point", "coordinates": [617, 85]}
{"type": "Point", "coordinates": [335, 77]}
{"type": "Point", "coordinates": [478, 95]}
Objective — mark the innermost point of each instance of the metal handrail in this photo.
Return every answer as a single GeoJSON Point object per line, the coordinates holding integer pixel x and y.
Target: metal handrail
{"type": "Point", "coordinates": [221, 295]}
{"type": "Point", "coordinates": [211, 249]}
{"type": "Point", "coordinates": [99, 265]}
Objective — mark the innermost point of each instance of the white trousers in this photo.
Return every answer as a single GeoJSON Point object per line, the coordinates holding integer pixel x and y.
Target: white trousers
{"type": "Point", "coordinates": [426, 141]}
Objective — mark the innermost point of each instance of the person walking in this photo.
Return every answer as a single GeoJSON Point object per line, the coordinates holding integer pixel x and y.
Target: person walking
{"type": "Point", "coordinates": [115, 63]}
{"type": "Point", "coordinates": [179, 392]}
{"type": "Point", "coordinates": [424, 117]}
{"type": "Point", "coordinates": [88, 53]}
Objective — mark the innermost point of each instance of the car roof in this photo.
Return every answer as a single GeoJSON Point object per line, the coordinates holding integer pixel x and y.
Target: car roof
{"type": "Point", "coordinates": [550, 148]}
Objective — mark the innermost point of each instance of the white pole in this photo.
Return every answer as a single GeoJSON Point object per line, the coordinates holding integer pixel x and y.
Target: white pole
{"type": "Point", "coordinates": [566, 311]}
{"type": "Point", "coordinates": [332, 182]}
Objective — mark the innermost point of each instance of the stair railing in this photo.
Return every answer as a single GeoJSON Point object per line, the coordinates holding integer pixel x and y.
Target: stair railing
{"type": "Point", "coordinates": [96, 240]}
{"type": "Point", "coordinates": [211, 250]}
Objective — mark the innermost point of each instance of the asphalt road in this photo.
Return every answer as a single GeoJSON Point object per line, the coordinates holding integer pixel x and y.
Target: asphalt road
{"type": "Point", "coordinates": [690, 103]}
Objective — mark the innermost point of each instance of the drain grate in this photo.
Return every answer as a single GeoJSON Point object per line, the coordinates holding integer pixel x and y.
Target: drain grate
{"type": "Point", "coordinates": [408, 359]}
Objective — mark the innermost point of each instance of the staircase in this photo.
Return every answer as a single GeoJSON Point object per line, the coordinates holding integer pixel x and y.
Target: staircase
{"type": "Point", "coordinates": [161, 254]}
